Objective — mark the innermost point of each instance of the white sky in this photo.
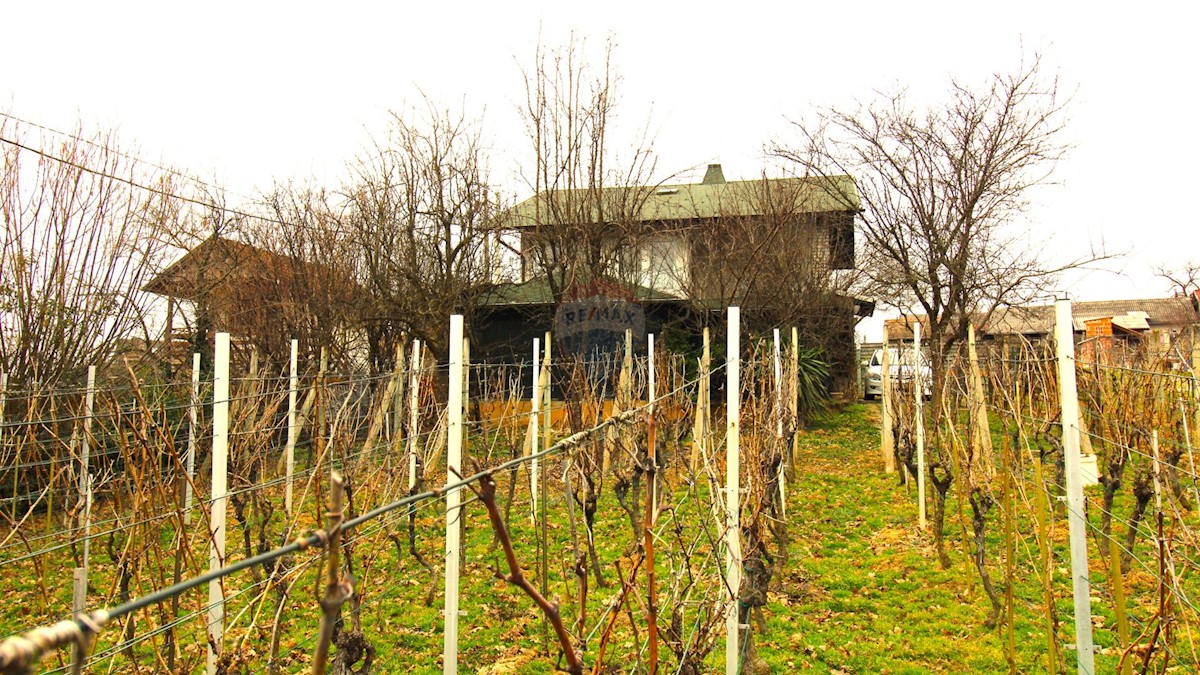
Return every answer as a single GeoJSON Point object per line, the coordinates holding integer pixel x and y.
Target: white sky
{"type": "Point", "coordinates": [246, 93]}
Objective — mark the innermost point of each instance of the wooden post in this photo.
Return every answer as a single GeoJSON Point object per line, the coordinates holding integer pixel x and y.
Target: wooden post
{"type": "Point", "coordinates": [331, 604]}
{"type": "Point", "coordinates": [290, 462]}
{"type": "Point", "coordinates": [1195, 382]}
{"type": "Point", "coordinates": [1010, 555]}
{"type": "Point", "coordinates": [543, 498]}
{"type": "Point", "coordinates": [650, 518]}
{"type": "Point", "coordinates": [1157, 473]}
{"type": "Point", "coordinates": [919, 398]}
{"type": "Point", "coordinates": [733, 528]}
{"type": "Point", "coordinates": [623, 400]}
{"type": "Point", "coordinates": [466, 395]}
{"type": "Point", "coordinates": [193, 438]}
{"type": "Point", "coordinates": [700, 430]}
{"type": "Point", "coordinates": [220, 458]}
{"type": "Point", "coordinates": [80, 574]}
{"type": "Point", "coordinates": [414, 405]}
{"type": "Point", "coordinates": [398, 402]}
{"type": "Point", "coordinates": [1119, 603]}
{"type": "Point", "coordinates": [85, 447]}
{"type": "Point", "coordinates": [1064, 336]}
{"type": "Point", "coordinates": [3, 401]}
{"type": "Point", "coordinates": [651, 451]}
{"type": "Point", "coordinates": [981, 456]}
{"type": "Point", "coordinates": [1187, 444]}
{"type": "Point", "coordinates": [252, 399]}
{"type": "Point", "coordinates": [794, 393]}
{"type": "Point", "coordinates": [321, 402]}
{"type": "Point", "coordinates": [779, 425]}
{"type": "Point", "coordinates": [887, 442]}
{"type": "Point", "coordinates": [454, 436]}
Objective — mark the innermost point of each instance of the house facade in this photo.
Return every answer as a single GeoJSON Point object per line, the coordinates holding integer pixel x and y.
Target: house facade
{"type": "Point", "coordinates": [672, 239]}
{"type": "Point", "coordinates": [685, 252]}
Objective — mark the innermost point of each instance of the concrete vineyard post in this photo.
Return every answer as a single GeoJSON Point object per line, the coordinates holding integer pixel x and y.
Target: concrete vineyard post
{"type": "Point", "coordinates": [454, 437]}
{"type": "Point", "coordinates": [290, 465]}
{"type": "Point", "coordinates": [918, 388]}
{"type": "Point", "coordinates": [733, 544]}
{"type": "Point", "coordinates": [193, 438]}
{"type": "Point", "coordinates": [80, 574]}
{"type": "Point", "coordinates": [414, 403]}
{"type": "Point", "coordinates": [887, 440]}
{"type": "Point", "coordinates": [546, 416]}
{"type": "Point", "coordinates": [397, 406]}
{"type": "Point", "coordinates": [1064, 337]}
{"type": "Point", "coordinates": [220, 458]}
{"type": "Point", "coordinates": [534, 405]}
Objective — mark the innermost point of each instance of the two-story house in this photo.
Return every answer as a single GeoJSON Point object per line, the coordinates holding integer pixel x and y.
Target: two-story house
{"type": "Point", "coordinates": [683, 251]}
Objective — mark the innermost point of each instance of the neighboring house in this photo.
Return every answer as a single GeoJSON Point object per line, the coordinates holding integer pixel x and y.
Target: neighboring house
{"type": "Point", "coordinates": [663, 243]}
{"type": "Point", "coordinates": [262, 298]}
{"type": "Point", "coordinates": [1152, 324]}
{"type": "Point", "coordinates": [769, 245]}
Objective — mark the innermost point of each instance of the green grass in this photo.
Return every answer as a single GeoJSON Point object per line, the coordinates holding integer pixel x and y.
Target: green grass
{"type": "Point", "coordinates": [863, 593]}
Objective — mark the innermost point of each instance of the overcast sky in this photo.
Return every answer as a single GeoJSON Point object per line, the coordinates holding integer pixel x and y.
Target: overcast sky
{"type": "Point", "coordinates": [247, 93]}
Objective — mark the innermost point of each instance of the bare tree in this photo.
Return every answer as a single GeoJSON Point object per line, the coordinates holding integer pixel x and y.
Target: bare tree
{"type": "Point", "coordinates": [782, 249]}
{"type": "Point", "coordinates": [79, 236]}
{"type": "Point", "coordinates": [420, 213]}
{"type": "Point", "coordinates": [302, 286]}
{"type": "Point", "coordinates": [1184, 279]}
{"type": "Point", "coordinates": [942, 190]}
{"type": "Point", "coordinates": [583, 222]}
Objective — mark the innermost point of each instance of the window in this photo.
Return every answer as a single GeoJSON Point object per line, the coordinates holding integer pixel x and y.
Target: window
{"type": "Point", "coordinates": [841, 241]}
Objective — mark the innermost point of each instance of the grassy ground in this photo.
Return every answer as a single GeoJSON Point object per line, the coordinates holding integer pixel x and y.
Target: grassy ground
{"type": "Point", "coordinates": [863, 592]}
{"type": "Point", "coordinates": [866, 594]}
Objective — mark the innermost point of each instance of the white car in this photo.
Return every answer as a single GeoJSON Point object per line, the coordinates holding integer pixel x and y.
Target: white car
{"type": "Point", "coordinates": [900, 362]}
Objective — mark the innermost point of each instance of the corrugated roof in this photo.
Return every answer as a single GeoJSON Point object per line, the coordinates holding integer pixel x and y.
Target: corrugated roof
{"type": "Point", "coordinates": [691, 200]}
{"type": "Point", "coordinates": [1141, 314]}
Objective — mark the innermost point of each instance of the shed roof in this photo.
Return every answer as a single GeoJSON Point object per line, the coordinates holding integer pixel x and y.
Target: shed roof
{"type": "Point", "coordinates": [218, 261]}
{"type": "Point", "coordinates": [216, 257]}
{"type": "Point", "coordinates": [1142, 314]}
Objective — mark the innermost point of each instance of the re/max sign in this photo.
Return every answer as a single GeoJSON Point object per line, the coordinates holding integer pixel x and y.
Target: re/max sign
{"type": "Point", "coordinates": [612, 312]}
{"type": "Point", "coordinates": [598, 324]}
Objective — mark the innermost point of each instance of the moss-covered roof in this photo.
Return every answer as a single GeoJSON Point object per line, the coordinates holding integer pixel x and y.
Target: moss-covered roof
{"type": "Point", "coordinates": [537, 292]}
{"type": "Point", "coordinates": [689, 201]}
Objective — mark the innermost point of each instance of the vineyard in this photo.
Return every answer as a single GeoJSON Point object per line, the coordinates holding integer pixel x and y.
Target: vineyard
{"type": "Point", "coordinates": [572, 514]}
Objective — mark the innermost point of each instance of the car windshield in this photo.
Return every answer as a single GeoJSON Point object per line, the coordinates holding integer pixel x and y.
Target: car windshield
{"type": "Point", "coordinates": [897, 356]}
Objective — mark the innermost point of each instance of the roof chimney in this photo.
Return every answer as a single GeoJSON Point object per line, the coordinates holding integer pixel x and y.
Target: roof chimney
{"type": "Point", "coordinates": [714, 175]}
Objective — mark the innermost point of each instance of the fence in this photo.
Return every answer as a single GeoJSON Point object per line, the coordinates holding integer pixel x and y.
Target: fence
{"type": "Point", "coordinates": [1099, 434]}
{"type": "Point", "coordinates": [338, 483]}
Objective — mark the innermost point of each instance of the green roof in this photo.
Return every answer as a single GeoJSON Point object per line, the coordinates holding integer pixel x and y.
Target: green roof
{"type": "Point", "coordinates": [537, 292]}
{"type": "Point", "coordinates": [691, 201]}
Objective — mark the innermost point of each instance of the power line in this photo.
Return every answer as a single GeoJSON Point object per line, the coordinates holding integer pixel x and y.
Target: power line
{"type": "Point", "coordinates": [101, 146]}
{"type": "Point", "coordinates": [162, 191]}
